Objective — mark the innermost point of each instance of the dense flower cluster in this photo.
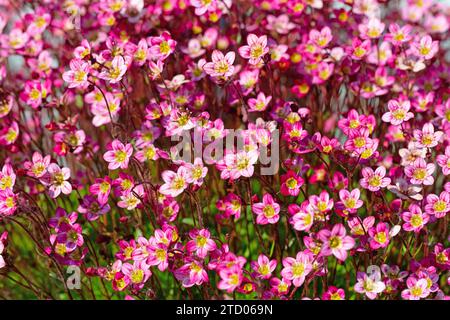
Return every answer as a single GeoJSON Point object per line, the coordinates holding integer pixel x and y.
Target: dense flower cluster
{"type": "Point", "coordinates": [349, 99]}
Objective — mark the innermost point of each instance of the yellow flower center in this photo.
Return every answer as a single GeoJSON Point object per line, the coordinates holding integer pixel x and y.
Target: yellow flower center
{"type": "Point", "coordinates": [298, 269]}
{"type": "Point", "coordinates": [269, 211]}
{"type": "Point", "coordinates": [120, 156]}
{"type": "Point", "coordinates": [291, 183]}
{"type": "Point", "coordinates": [137, 276]}
{"type": "Point", "coordinates": [375, 181]}
{"type": "Point", "coordinates": [416, 220]}
{"type": "Point", "coordinates": [335, 242]}
{"type": "Point", "coordinates": [420, 173]}
{"type": "Point", "coordinates": [380, 237]}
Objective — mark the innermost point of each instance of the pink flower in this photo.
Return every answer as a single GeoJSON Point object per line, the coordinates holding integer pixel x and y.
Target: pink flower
{"type": "Point", "coordinates": [398, 112]}
{"type": "Point", "coordinates": [370, 285]}
{"type": "Point", "coordinates": [321, 38]}
{"type": "Point", "coordinates": [425, 48]}
{"type": "Point", "coordinates": [334, 293]}
{"type": "Point", "coordinates": [349, 200]}
{"type": "Point", "coordinates": [231, 205]}
{"type": "Point", "coordinates": [201, 243]}
{"type": "Point", "coordinates": [414, 219]}
{"type": "Point", "coordinates": [119, 155]}
{"type": "Point", "coordinates": [379, 236]}
{"type": "Point", "coordinates": [302, 217]}
{"type": "Point", "coordinates": [260, 103]}
{"type": "Point", "coordinates": [359, 49]}
{"type": "Point", "coordinates": [417, 289]}
{"type": "Point", "coordinates": [38, 166]}
{"type": "Point", "coordinates": [398, 35]}
{"type": "Point", "coordinates": [56, 180]}
{"type": "Point", "coordinates": [202, 6]}
{"type": "Point", "coordinates": [266, 211]}
{"type": "Point", "coordinates": [174, 182]}
{"type": "Point", "coordinates": [196, 172]}
{"type": "Point", "coordinates": [374, 181]}
{"type": "Point", "coordinates": [131, 200]}
{"type": "Point", "coordinates": [427, 138]}
{"type": "Point", "coordinates": [7, 177]}
{"type": "Point", "coordinates": [264, 267]}
{"type": "Point", "coordinates": [438, 206]}
{"type": "Point", "coordinates": [420, 172]}
{"type": "Point", "coordinates": [138, 273]}
{"type": "Point", "coordinates": [191, 273]}
{"type": "Point", "coordinates": [297, 269]}
{"type": "Point", "coordinates": [280, 24]}
{"type": "Point", "coordinates": [77, 76]}
{"type": "Point", "coordinates": [230, 278]}
{"type": "Point", "coordinates": [115, 71]}
{"type": "Point", "coordinates": [291, 184]}
{"type": "Point", "coordinates": [8, 202]}
{"type": "Point", "coordinates": [161, 47]}
{"type": "Point", "coordinates": [101, 188]}
{"type": "Point", "coordinates": [372, 29]}
{"type": "Point", "coordinates": [443, 160]}
{"type": "Point", "coordinates": [255, 49]}
{"type": "Point", "coordinates": [321, 204]}
{"type": "Point", "coordinates": [335, 242]}
{"type": "Point", "coordinates": [221, 66]}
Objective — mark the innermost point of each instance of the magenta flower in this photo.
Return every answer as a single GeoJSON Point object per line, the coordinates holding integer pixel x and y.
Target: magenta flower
{"type": "Point", "coordinates": [420, 172]}
{"type": "Point", "coordinates": [191, 273]}
{"type": "Point", "coordinates": [335, 242]}
{"type": "Point", "coordinates": [255, 49]}
{"type": "Point", "coordinates": [349, 200]}
{"type": "Point", "coordinates": [334, 293]}
{"type": "Point", "coordinates": [374, 181]}
{"type": "Point", "coordinates": [266, 211]}
{"type": "Point", "coordinates": [443, 160]}
{"type": "Point", "coordinates": [359, 49]}
{"type": "Point", "coordinates": [427, 138]}
{"type": "Point", "coordinates": [174, 182]}
{"type": "Point", "coordinates": [414, 219]}
{"type": "Point", "coordinates": [221, 66]}
{"type": "Point", "coordinates": [425, 47]}
{"type": "Point", "coordinates": [291, 184]}
{"type": "Point", "coordinates": [77, 76]}
{"type": "Point", "coordinates": [138, 273]}
{"type": "Point", "coordinates": [260, 103]}
{"type": "Point", "coordinates": [297, 269]}
{"type": "Point", "coordinates": [201, 243]}
{"type": "Point", "coordinates": [302, 217]}
{"type": "Point", "coordinates": [56, 180]}
{"type": "Point", "coordinates": [264, 267]}
{"type": "Point", "coordinates": [202, 6]}
{"type": "Point", "coordinates": [118, 155]}
{"type": "Point", "coordinates": [115, 71]}
{"type": "Point", "coordinates": [92, 209]}
{"type": "Point", "coordinates": [398, 112]}
{"type": "Point", "coordinates": [321, 38]}
{"type": "Point", "coordinates": [161, 47]}
{"type": "Point", "coordinates": [398, 35]}
{"type": "Point", "coordinates": [379, 236]}
{"type": "Point", "coordinates": [438, 206]}
{"type": "Point", "coordinates": [7, 177]}
{"type": "Point", "coordinates": [101, 188]}
{"type": "Point", "coordinates": [230, 278]}
{"type": "Point", "coordinates": [8, 202]}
